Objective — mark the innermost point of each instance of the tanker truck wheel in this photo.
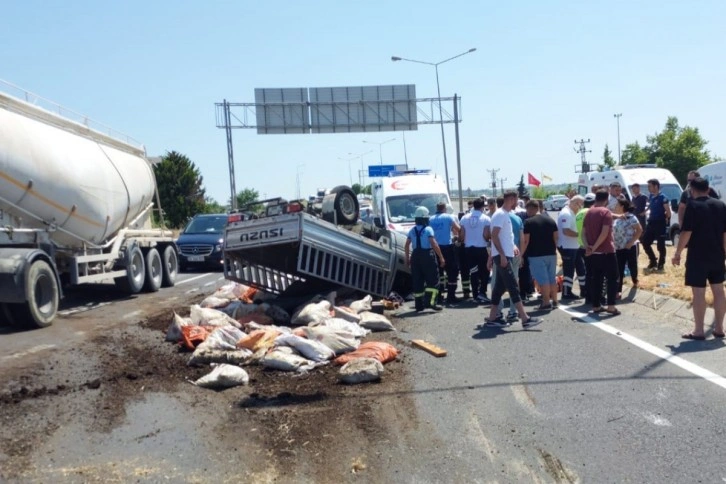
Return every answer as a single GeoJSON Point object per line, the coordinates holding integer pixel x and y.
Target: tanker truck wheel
{"type": "Point", "coordinates": [170, 267]}
{"type": "Point", "coordinates": [154, 271]}
{"type": "Point", "coordinates": [133, 281]}
{"type": "Point", "coordinates": [43, 296]}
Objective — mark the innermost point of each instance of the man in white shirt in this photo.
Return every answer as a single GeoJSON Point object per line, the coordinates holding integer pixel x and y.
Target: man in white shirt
{"type": "Point", "coordinates": [474, 233]}
{"type": "Point", "coordinates": [503, 250]}
{"type": "Point", "coordinates": [569, 245]}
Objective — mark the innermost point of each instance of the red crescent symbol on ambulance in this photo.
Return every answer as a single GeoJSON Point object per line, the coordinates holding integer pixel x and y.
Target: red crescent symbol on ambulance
{"type": "Point", "coordinates": [399, 184]}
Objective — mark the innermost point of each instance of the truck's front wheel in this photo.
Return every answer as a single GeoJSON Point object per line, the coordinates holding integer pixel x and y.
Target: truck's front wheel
{"type": "Point", "coordinates": [41, 289]}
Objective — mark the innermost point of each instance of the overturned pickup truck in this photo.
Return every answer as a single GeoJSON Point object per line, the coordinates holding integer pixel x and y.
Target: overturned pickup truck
{"type": "Point", "coordinates": [286, 249]}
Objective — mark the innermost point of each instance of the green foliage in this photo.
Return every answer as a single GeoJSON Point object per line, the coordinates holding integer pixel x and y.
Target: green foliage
{"type": "Point", "coordinates": [212, 206]}
{"type": "Point", "coordinates": [180, 188]}
{"type": "Point", "coordinates": [539, 193]}
{"type": "Point", "coordinates": [248, 196]}
{"type": "Point", "coordinates": [357, 188]}
{"type": "Point", "coordinates": [678, 149]}
{"type": "Point", "coordinates": [522, 188]}
{"type": "Point", "coordinates": [607, 159]}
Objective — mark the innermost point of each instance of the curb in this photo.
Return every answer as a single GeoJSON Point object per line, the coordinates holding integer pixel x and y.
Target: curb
{"type": "Point", "coordinates": [665, 305]}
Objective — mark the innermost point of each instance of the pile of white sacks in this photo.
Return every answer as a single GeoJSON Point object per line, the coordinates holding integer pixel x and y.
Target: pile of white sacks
{"type": "Point", "coordinates": [238, 326]}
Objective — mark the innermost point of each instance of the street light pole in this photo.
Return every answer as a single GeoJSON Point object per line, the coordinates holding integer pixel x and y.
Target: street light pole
{"type": "Point", "coordinates": [380, 147]}
{"type": "Point", "coordinates": [617, 117]}
{"type": "Point", "coordinates": [438, 91]}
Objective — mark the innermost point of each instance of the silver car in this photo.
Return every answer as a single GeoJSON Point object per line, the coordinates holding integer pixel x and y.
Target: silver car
{"type": "Point", "coordinates": [555, 202]}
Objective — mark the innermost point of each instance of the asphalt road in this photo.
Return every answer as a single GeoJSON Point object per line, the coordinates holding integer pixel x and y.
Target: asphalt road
{"type": "Point", "coordinates": [576, 399]}
{"type": "Point", "coordinates": [88, 309]}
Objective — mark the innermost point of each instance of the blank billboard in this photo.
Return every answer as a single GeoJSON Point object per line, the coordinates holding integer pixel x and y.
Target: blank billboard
{"type": "Point", "coordinates": [356, 109]}
{"type": "Point", "coordinates": [282, 110]}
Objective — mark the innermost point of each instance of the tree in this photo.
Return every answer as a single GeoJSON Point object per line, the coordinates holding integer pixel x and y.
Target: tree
{"type": "Point", "coordinates": [539, 193]}
{"type": "Point", "coordinates": [607, 159]}
{"type": "Point", "coordinates": [679, 150]}
{"type": "Point", "coordinates": [248, 196]}
{"type": "Point", "coordinates": [522, 188]}
{"type": "Point", "coordinates": [212, 206]}
{"type": "Point", "coordinates": [634, 154]}
{"type": "Point", "coordinates": [180, 188]}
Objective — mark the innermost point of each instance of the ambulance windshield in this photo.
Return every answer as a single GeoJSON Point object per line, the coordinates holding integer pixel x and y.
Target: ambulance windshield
{"type": "Point", "coordinates": [401, 208]}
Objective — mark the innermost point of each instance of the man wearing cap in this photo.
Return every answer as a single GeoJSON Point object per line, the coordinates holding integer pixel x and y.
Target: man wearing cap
{"type": "Point", "coordinates": [424, 271]}
{"type": "Point", "coordinates": [444, 225]}
{"type": "Point", "coordinates": [475, 233]}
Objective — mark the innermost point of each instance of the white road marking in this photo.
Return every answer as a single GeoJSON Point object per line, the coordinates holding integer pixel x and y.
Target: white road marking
{"type": "Point", "coordinates": [30, 351]}
{"type": "Point", "coordinates": [68, 312]}
{"type": "Point", "coordinates": [210, 283]}
{"type": "Point", "coordinates": [191, 279]}
{"type": "Point", "coordinates": [654, 350]}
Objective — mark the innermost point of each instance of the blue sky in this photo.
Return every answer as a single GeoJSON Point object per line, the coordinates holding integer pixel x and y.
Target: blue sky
{"type": "Point", "coordinates": [544, 74]}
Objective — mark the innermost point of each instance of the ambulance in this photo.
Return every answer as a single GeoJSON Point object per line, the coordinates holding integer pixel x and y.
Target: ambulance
{"type": "Point", "coordinates": [715, 173]}
{"type": "Point", "coordinates": [397, 196]}
{"type": "Point", "coordinates": [626, 175]}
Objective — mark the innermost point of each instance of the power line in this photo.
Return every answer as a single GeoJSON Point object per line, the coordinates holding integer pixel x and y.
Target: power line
{"type": "Point", "coordinates": [501, 184]}
{"type": "Point", "coordinates": [584, 164]}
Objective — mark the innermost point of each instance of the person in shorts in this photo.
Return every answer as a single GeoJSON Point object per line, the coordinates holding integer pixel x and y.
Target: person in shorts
{"type": "Point", "coordinates": [704, 232]}
{"type": "Point", "coordinates": [540, 245]}
{"type": "Point", "coordinates": [503, 251]}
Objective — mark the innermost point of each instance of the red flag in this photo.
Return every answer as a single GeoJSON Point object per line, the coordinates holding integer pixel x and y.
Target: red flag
{"type": "Point", "coordinates": [532, 180]}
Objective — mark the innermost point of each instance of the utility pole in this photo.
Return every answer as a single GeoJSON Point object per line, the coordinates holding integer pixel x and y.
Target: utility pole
{"type": "Point", "coordinates": [584, 165]}
{"type": "Point", "coordinates": [617, 117]}
{"type": "Point", "coordinates": [493, 173]}
{"type": "Point", "coordinates": [501, 184]}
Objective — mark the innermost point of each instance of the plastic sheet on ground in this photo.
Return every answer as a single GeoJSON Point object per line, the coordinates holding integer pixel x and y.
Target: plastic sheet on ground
{"type": "Point", "coordinates": [378, 350]}
{"type": "Point", "coordinates": [361, 370]}
{"type": "Point", "coordinates": [375, 322]}
{"type": "Point", "coordinates": [224, 376]}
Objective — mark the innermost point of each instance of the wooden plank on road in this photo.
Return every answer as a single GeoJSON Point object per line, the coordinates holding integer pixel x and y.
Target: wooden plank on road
{"type": "Point", "coordinates": [429, 347]}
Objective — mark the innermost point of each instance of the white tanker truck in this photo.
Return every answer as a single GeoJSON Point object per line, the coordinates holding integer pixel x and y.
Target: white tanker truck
{"type": "Point", "coordinates": [75, 207]}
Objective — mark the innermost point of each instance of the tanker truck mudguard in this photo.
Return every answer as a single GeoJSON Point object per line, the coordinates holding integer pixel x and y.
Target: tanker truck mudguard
{"type": "Point", "coordinates": [76, 200]}
{"type": "Point", "coordinates": [285, 245]}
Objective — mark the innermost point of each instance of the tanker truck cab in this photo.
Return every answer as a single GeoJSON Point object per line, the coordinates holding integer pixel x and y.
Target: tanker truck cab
{"type": "Point", "coordinates": [396, 197]}
{"type": "Point", "coordinates": [627, 175]}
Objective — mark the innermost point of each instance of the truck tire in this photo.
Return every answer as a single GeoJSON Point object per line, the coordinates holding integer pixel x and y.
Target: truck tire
{"type": "Point", "coordinates": [133, 281]}
{"type": "Point", "coordinates": [169, 267]}
{"type": "Point", "coordinates": [42, 293]}
{"type": "Point", "coordinates": [154, 271]}
{"type": "Point", "coordinates": [341, 206]}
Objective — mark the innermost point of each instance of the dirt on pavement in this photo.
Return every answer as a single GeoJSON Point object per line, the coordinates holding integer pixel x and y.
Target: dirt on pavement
{"type": "Point", "coordinates": [283, 427]}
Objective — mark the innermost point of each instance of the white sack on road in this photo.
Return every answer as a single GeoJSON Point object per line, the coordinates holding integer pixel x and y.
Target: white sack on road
{"type": "Point", "coordinates": [361, 370]}
{"type": "Point", "coordinates": [283, 360]}
{"type": "Point", "coordinates": [361, 305]}
{"type": "Point", "coordinates": [205, 357]}
{"type": "Point", "coordinates": [312, 350]}
{"type": "Point", "coordinates": [338, 341]}
{"type": "Point", "coordinates": [223, 338]}
{"type": "Point", "coordinates": [174, 332]}
{"type": "Point", "coordinates": [339, 324]}
{"type": "Point", "coordinates": [214, 302]}
{"type": "Point", "coordinates": [224, 376]}
{"type": "Point", "coordinates": [311, 312]}
{"type": "Point", "coordinates": [210, 317]}
{"type": "Point", "coordinates": [347, 314]}
{"type": "Point", "coordinates": [375, 322]}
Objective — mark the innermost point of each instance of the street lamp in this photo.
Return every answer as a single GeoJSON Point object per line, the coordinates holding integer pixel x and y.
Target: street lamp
{"type": "Point", "coordinates": [360, 173]}
{"type": "Point", "coordinates": [380, 150]}
{"type": "Point", "coordinates": [617, 117]}
{"type": "Point", "coordinates": [438, 90]}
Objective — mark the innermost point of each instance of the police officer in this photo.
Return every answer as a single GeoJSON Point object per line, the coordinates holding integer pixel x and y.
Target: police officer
{"type": "Point", "coordinates": [444, 225]}
{"type": "Point", "coordinates": [424, 271]}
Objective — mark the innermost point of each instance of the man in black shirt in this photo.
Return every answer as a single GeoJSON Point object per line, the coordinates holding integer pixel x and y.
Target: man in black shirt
{"type": "Point", "coordinates": [703, 230]}
{"type": "Point", "coordinates": [539, 242]}
{"type": "Point", "coordinates": [640, 201]}
{"type": "Point", "coordinates": [687, 195]}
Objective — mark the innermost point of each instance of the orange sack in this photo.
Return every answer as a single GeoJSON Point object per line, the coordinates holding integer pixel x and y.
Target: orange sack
{"type": "Point", "coordinates": [258, 339]}
{"type": "Point", "coordinates": [193, 335]}
{"type": "Point", "coordinates": [248, 295]}
{"type": "Point", "coordinates": [380, 351]}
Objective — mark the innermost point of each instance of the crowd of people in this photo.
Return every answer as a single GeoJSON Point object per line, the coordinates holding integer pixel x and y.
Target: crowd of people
{"type": "Point", "coordinates": [509, 244]}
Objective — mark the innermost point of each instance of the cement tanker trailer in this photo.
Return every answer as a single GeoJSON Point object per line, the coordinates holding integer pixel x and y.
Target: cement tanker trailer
{"type": "Point", "coordinates": [75, 208]}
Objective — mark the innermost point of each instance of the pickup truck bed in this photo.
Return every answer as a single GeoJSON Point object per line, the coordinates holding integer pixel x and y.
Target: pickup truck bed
{"type": "Point", "coordinates": [272, 253]}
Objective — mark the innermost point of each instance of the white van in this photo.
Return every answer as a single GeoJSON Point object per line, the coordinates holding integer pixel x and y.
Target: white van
{"type": "Point", "coordinates": [715, 173]}
{"type": "Point", "coordinates": [396, 197]}
{"type": "Point", "coordinates": [626, 175]}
